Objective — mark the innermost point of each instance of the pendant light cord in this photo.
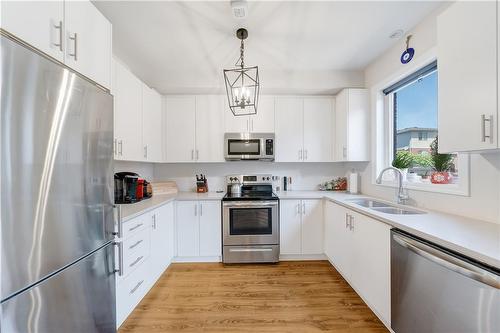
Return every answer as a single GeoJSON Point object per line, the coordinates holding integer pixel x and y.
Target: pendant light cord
{"type": "Point", "coordinates": [242, 50]}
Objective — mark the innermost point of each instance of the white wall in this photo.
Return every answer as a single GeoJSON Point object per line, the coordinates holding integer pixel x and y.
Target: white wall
{"type": "Point", "coordinates": [305, 176]}
{"type": "Point", "coordinates": [484, 199]}
{"type": "Point", "coordinates": [145, 170]}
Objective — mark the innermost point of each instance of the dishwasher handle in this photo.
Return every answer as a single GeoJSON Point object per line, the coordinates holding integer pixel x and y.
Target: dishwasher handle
{"type": "Point", "coordinates": [448, 261]}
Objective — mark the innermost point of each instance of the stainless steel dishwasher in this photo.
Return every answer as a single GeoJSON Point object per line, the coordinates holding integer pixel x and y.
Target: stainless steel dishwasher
{"type": "Point", "coordinates": [436, 290]}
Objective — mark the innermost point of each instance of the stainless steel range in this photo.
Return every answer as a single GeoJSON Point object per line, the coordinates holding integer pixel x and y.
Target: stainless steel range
{"type": "Point", "coordinates": [250, 220]}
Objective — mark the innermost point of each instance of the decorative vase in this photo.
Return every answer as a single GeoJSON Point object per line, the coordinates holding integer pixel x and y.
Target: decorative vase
{"type": "Point", "coordinates": [443, 177]}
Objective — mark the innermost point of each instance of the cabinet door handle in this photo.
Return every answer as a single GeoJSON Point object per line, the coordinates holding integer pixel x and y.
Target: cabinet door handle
{"type": "Point", "coordinates": [135, 227]}
{"type": "Point", "coordinates": [114, 147]}
{"type": "Point", "coordinates": [120, 145]}
{"type": "Point", "coordinates": [75, 46]}
{"type": "Point", "coordinates": [154, 221]}
{"type": "Point", "coordinates": [145, 151]}
{"type": "Point", "coordinates": [346, 220]}
{"type": "Point", "coordinates": [136, 261]}
{"type": "Point", "coordinates": [351, 222]}
{"type": "Point", "coordinates": [136, 287]}
{"type": "Point", "coordinates": [252, 125]}
{"type": "Point", "coordinates": [305, 154]}
{"type": "Point", "coordinates": [300, 154]}
{"type": "Point", "coordinates": [60, 28]}
{"type": "Point", "coordinates": [192, 154]}
{"type": "Point", "coordinates": [248, 125]}
{"type": "Point", "coordinates": [483, 128]}
{"type": "Point", "coordinates": [298, 209]}
{"type": "Point", "coordinates": [197, 154]}
{"type": "Point", "coordinates": [135, 244]}
{"type": "Point", "coordinates": [201, 209]}
{"type": "Point", "coordinates": [304, 208]}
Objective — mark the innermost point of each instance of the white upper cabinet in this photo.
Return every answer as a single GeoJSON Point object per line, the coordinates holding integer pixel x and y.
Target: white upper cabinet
{"type": "Point", "coordinates": [151, 125]}
{"type": "Point", "coordinates": [262, 122]}
{"type": "Point", "coordinates": [318, 130]}
{"type": "Point", "coordinates": [210, 128]}
{"type": "Point", "coordinates": [180, 117]}
{"type": "Point", "coordinates": [127, 114]}
{"type": "Point", "coordinates": [73, 32]}
{"type": "Point", "coordinates": [39, 23]}
{"type": "Point", "coordinates": [88, 41]}
{"type": "Point", "coordinates": [467, 77]}
{"type": "Point", "coordinates": [352, 126]}
{"type": "Point", "coordinates": [289, 129]}
{"type": "Point", "coordinates": [303, 129]}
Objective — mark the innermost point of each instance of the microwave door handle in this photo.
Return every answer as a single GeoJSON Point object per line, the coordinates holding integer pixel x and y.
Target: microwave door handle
{"type": "Point", "coordinates": [448, 261]}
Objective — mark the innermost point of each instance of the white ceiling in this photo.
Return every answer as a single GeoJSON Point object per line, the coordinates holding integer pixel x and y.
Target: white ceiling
{"type": "Point", "coordinates": [299, 46]}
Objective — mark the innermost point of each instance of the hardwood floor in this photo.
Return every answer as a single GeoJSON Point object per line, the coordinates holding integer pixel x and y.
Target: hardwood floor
{"type": "Point", "coordinates": [305, 296]}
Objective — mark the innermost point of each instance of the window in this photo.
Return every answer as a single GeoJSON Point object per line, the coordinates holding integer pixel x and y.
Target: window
{"type": "Point", "coordinates": [413, 112]}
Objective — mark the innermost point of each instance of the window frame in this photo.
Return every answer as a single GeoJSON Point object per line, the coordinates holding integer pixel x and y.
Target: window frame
{"type": "Point", "coordinates": [383, 141]}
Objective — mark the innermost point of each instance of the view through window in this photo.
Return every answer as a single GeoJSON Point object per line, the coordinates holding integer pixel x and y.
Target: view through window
{"type": "Point", "coordinates": [415, 111]}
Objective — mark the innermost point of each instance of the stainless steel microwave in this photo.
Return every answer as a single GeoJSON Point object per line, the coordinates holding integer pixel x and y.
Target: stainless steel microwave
{"type": "Point", "coordinates": [249, 146]}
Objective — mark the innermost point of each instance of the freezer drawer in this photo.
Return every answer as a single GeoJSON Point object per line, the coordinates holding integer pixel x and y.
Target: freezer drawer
{"type": "Point", "coordinates": [80, 298]}
{"type": "Point", "coordinates": [434, 290]}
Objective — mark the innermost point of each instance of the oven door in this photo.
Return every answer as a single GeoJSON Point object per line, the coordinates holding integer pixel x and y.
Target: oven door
{"type": "Point", "coordinates": [250, 223]}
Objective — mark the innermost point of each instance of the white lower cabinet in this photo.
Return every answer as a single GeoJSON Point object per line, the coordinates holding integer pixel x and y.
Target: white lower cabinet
{"type": "Point", "coordinates": [301, 227]}
{"type": "Point", "coordinates": [359, 247]}
{"type": "Point", "coordinates": [198, 225]}
{"type": "Point", "coordinates": [147, 250]}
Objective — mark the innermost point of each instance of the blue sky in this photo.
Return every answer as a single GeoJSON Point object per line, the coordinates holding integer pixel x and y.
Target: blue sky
{"type": "Point", "coordinates": [417, 103]}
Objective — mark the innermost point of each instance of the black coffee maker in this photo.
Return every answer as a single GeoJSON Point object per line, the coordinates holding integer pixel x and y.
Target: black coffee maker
{"type": "Point", "coordinates": [125, 187]}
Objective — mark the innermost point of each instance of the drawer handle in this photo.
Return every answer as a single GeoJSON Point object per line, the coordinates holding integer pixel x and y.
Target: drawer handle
{"type": "Point", "coordinates": [137, 226]}
{"type": "Point", "coordinates": [136, 287]}
{"type": "Point", "coordinates": [136, 261]}
{"type": "Point", "coordinates": [135, 244]}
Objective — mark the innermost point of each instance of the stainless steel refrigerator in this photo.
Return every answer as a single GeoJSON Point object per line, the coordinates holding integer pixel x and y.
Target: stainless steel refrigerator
{"type": "Point", "coordinates": [57, 260]}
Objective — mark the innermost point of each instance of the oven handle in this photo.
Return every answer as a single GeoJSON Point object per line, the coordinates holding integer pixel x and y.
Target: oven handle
{"type": "Point", "coordinates": [251, 204]}
{"type": "Point", "coordinates": [251, 250]}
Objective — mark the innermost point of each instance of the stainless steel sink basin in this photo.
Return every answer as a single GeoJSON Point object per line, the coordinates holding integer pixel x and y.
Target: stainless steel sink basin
{"type": "Point", "coordinates": [369, 203]}
{"type": "Point", "coordinates": [383, 207]}
{"type": "Point", "coordinates": [397, 211]}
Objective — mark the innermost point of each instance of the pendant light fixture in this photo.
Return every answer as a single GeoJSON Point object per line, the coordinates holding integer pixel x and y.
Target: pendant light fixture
{"type": "Point", "coordinates": [242, 84]}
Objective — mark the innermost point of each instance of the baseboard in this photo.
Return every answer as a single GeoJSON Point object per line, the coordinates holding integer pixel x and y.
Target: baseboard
{"type": "Point", "coordinates": [197, 259]}
{"type": "Point", "coordinates": [297, 257]}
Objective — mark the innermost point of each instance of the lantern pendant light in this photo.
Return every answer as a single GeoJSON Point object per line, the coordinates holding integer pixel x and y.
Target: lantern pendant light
{"type": "Point", "coordinates": [242, 84]}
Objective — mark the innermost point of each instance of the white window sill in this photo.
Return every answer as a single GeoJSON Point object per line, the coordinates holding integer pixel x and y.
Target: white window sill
{"type": "Point", "coordinates": [453, 189]}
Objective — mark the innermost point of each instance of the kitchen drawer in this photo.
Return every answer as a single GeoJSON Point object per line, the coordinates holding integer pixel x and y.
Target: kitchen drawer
{"type": "Point", "coordinates": [136, 250]}
{"type": "Point", "coordinates": [131, 291]}
{"type": "Point", "coordinates": [133, 226]}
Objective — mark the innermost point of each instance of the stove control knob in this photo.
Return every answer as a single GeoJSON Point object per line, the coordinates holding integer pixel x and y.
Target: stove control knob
{"type": "Point", "coordinates": [267, 178]}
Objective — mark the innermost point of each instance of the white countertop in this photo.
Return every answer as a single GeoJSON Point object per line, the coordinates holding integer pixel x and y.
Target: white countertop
{"type": "Point", "coordinates": [477, 239]}
{"type": "Point", "coordinates": [129, 211]}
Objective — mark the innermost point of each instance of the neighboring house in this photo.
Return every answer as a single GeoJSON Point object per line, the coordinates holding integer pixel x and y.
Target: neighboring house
{"type": "Point", "coordinates": [416, 140]}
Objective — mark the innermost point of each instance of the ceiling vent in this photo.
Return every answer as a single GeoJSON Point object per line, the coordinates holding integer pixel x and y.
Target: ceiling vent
{"type": "Point", "coordinates": [239, 8]}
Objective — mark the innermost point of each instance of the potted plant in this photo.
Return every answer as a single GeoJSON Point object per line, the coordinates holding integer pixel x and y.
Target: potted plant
{"type": "Point", "coordinates": [441, 163]}
{"type": "Point", "coordinates": [402, 161]}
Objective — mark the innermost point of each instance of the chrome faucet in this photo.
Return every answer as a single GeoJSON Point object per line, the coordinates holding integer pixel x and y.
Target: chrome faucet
{"type": "Point", "coordinates": [402, 194]}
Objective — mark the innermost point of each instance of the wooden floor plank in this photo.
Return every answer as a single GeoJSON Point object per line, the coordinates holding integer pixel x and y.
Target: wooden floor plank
{"type": "Point", "coordinates": [292, 296]}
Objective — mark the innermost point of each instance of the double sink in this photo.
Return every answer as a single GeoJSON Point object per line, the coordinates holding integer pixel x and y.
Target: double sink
{"type": "Point", "coordinates": [383, 207]}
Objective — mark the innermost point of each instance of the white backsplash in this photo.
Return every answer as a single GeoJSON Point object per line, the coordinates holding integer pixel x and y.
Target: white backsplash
{"type": "Point", "coordinates": [145, 170]}
{"type": "Point", "coordinates": [305, 176]}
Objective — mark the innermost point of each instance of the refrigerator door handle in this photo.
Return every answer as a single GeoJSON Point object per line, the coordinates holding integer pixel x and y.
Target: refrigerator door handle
{"type": "Point", "coordinates": [118, 221]}
{"type": "Point", "coordinates": [120, 258]}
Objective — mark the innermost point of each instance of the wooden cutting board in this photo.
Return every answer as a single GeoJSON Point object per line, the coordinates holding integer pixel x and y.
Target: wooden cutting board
{"type": "Point", "coordinates": [165, 187]}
